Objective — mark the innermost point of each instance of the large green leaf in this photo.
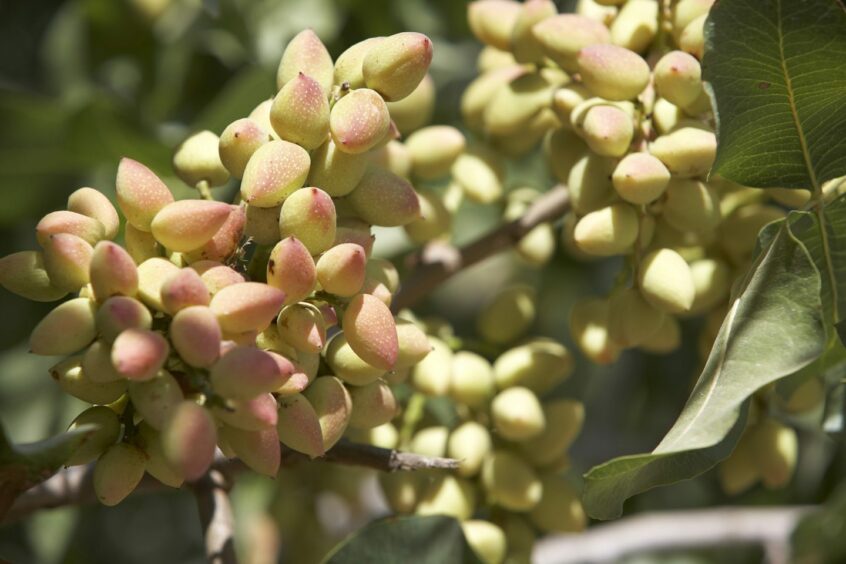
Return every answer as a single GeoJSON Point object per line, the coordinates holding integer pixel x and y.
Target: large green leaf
{"type": "Point", "coordinates": [777, 75]}
{"type": "Point", "coordinates": [424, 540]}
{"type": "Point", "coordinates": [774, 328]}
{"type": "Point", "coordinates": [24, 466]}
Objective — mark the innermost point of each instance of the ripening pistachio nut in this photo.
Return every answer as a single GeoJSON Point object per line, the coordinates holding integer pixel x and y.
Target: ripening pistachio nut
{"type": "Point", "coordinates": [117, 472]}
{"type": "Point", "coordinates": [300, 112]}
{"type": "Point", "coordinates": [73, 381]}
{"type": "Point", "coordinates": [333, 406]}
{"type": "Point", "coordinates": [291, 269]}
{"type": "Point", "coordinates": [67, 260]}
{"type": "Point", "coordinates": [238, 142]}
{"type": "Point", "coordinates": [197, 160]}
{"type": "Point", "coordinates": [678, 78]}
{"type": "Point", "coordinates": [448, 495]}
{"type": "Point", "coordinates": [631, 319]}
{"type": "Point", "coordinates": [94, 204]}
{"type": "Point", "coordinates": [590, 183]}
{"type": "Point", "coordinates": [490, 58]}
{"type": "Point", "coordinates": [259, 450]}
{"type": "Point", "coordinates": [261, 116]}
{"type": "Point", "coordinates": [188, 440]}
{"type": "Point", "coordinates": [140, 193]}
{"type": "Point", "coordinates": [341, 270]}
{"type": "Point", "coordinates": [480, 173]}
{"type": "Point", "coordinates": [564, 418]}
{"type": "Point", "coordinates": [510, 482]}
{"type": "Point", "coordinates": [508, 315]}
{"type": "Point", "coordinates": [302, 326]}
{"type": "Point", "coordinates": [562, 37]}
{"type": "Point", "coordinates": [666, 282]}
{"type": "Point", "coordinates": [157, 465]}
{"type": "Point", "coordinates": [524, 46]}
{"type": "Point", "coordinates": [141, 245]}
{"type": "Point", "coordinates": [359, 121]}
{"type": "Point", "coordinates": [384, 272]}
{"type": "Point", "coordinates": [392, 156]}
{"type": "Point", "coordinates": [97, 363]}
{"type": "Point", "coordinates": [430, 441]}
{"type": "Point", "coordinates": [435, 219]}
{"type": "Point", "coordinates": [273, 172]}
{"type": "Point", "coordinates": [712, 279]}
{"type": "Point", "coordinates": [692, 38]}
{"type": "Point", "coordinates": [351, 230]}
{"type": "Point", "coordinates": [112, 271]}
{"type": "Point", "coordinates": [666, 116]}
{"type": "Point", "coordinates": [262, 224]}
{"type": "Point", "coordinates": [67, 222]}
{"type": "Point", "coordinates": [514, 104]}
{"type": "Point", "coordinates": [371, 331]}
{"type": "Point", "coordinates": [492, 21]}
{"type": "Point", "coordinates": [746, 222]}
{"type": "Point", "coordinates": [226, 241]}
{"type": "Point", "coordinates": [155, 400]}
{"type": "Point", "coordinates": [432, 375]}
{"type": "Point", "coordinates": [183, 289]}
{"type": "Point", "coordinates": [385, 199]}
{"type": "Point", "coordinates": [372, 405]}
{"type": "Point", "coordinates": [152, 274]}
{"type": "Point", "coordinates": [401, 490]}
{"type": "Point", "coordinates": [666, 339]}
{"type": "Point", "coordinates": [433, 150]}
{"type": "Point", "coordinates": [486, 539]}
{"type": "Point", "coordinates": [298, 426]}
{"type": "Point", "coordinates": [640, 178]}
{"type": "Point", "coordinates": [348, 64]}
{"type": "Point", "coordinates": [305, 53]}
{"type": "Point", "coordinates": [691, 206]}
{"type": "Point", "coordinates": [687, 151]}
{"type": "Point", "coordinates": [560, 509]}
{"type": "Point", "coordinates": [196, 335]}
{"type": "Point", "coordinates": [139, 354]}
{"type": "Point", "coordinates": [24, 273]}
{"type": "Point", "coordinates": [415, 110]}
{"type": "Point", "coordinates": [563, 149]}
{"type": "Point", "coordinates": [245, 372]}
{"type": "Point", "coordinates": [472, 380]}
{"type": "Point", "coordinates": [68, 328]}
{"type": "Point", "coordinates": [188, 224]}
{"type": "Point", "coordinates": [589, 328]}
{"type": "Point", "coordinates": [806, 397]}
{"type": "Point", "coordinates": [395, 66]}
{"type": "Point", "coordinates": [309, 215]}
{"type": "Point", "coordinates": [685, 11]}
{"type": "Point", "coordinates": [334, 171]}
{"type": "Point", "coordinates": [775, 449]}
{"type": "Point", "coordinates": [739, 471]}
{"type": "Point", "coordinates": [107, 433]}
{"type": "Point", "coordinates": [253, 414]}
{"type": "Point", "coordinates": [607, 130]}
{"type": "Point", "coordinates": [479, 93]}
{"type": "Point", "coordinates": [517, 414]}
{"type": "Point", "coordinates": [612, 72]}
{"type": "Point", "coordinates": [120, 313]}
{"type": "Point", "coordinates": [539, 365]}
{"type": "Point", "coordinates": [608, 231]}
{"type": "Point", "coordinates": [347, 365]}
{"type": "Point", "coordinates": [469, 443]}
{"type": "Point", "coordinates": [412, 344]}
{"type": "Point", "coordinates": [247, 306]}
{"type": "Point", "coordinates": [636, 25]}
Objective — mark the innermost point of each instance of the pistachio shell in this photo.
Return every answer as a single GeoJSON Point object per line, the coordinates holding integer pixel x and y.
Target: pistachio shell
{"type": "Point", "coordinates": [640, 178]}
{"type": "Point", "coordinates": [291, 269]}
{"type": "Point", "coordinates": [188, 224]}
{"type": "Point", "coordinates": [65, 330]}
{"type": "Point", "coordinates": [432, 375]}
{"type": "Point", "coordinates": [253, 414]}
{"type": "Point", "coordinates": [666, 282]}
{"type": "Point", "coordinates": [492, 21]}
{"type": "Point", "coordinates": [517, 414]}
{"type": "Point", "coordinates": [273, 172]}
{"type": "Point", "coordinates": [94, 444]}
{"type": "Point", "coordinates": [371, 331]}
{"type": "Point", "coordinates": [248, 306]}
{"type": "Point", "coordinates": [238, 142]}
{"type": "Point", "coordinates": [119, 313]}
{"type": "Point", "coordinates": [341, 269]}
{"type": "Point", "coordinates": [197, 160]}
{"type": "Point", "coordinates": [152, 274]}
{"type": "Point", "coordinates": [480, 173]}
{"type": "Point", "coordinates": [306, 53]}
{"type": "Point", "coordinates": [383, 198]}
{"type": "Point", "coordinates": [612, 72]}
{"type": "Point", "coordinates": [562, 37]}
{"type": "Point", "coordinates": [608, 231]}
{"type": "Point", "coordinates": [189, 439]}
{"type": "Point", "coordinates": [24, 273]}
{"type": "Point", "coordinates": [300, 112]}
{"type": "Point", "coordinates": [259, 450]}
{"type": "Point", "coordinates": [67, 259]}
{"type": "Point", "coordinates": [334, 171]}
{"type": "Point", "coordinates": [347, 365]}
{"type": "Point", "coordinates": [333, 407]}
{"type": "Point", "coordinates": [226, 241]}
{"type": "Point", "coordinates": [636, 25]}
{"type": "Point", "coordinates": [299, 426]}
{"type": "Point", "coordinates": [196, 336]}
{"type": "Point", "coordinates": [94, 204]}
{"type": "Point", "coordinates": [687, 151]}
{"type": "Point", "coordinates": [112, 271]}
{"type": "Point", "coordinates": [117, 473]}
{"type": "Point", "coordinates": [139, 354]}
{"type": "Point", "coordinates": [434, 149]}
{"type": "Point", "coordinates": [372, 405]}
{"type": "Point", "coordinates": [182, 289]}
{"type": "Point", "coordinates": [302, 326]}
{"type": "Point", "coordinates": [348, 64]}
{"type": "Point", "coordinates": [472, 379]}
{"type": "Point", "coordinates": [140, 193]}
{"type": "Point", "coordinates": [155, 400]}
{"type": "Point", "coordinates": [359, 121]}
{"type": "Point", "coordinates": [141, 245]}
{"type": "Point", "coordinates": [395, 66]}
{"type": "Point", "coordinates": [309, 215]}
{"type": "Point", "coordinates": [245, 372]}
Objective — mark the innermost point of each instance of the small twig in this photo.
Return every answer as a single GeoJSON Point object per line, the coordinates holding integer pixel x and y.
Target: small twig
{"type": "Point", "coordinates": [428, 272]}
{"type": "Point", "coordinates": [216, 518]}
{"type": "Point", "coordinates": [385, 459]}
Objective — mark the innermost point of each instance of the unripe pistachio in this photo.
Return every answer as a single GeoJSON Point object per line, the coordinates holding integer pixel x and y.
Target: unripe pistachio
{"type": "Point", "coordinates": [413, 344]}
{"type": "Point", "coordinates": [112, 271]}
{"type": "Point", "coordinates": [678, 78]}
{"type": "Point", "coordinates": [562, 37]}
{"type": "Point", "coordinates": [359, 121]}
{"type": "Point", "coordinates": [68, 328]}
{"type": "Point", "coordinates": [291, 269]}
{"type": "Point", "coordinates": [415, 110]}
{"type": "Point", "coordinates": [305, 53]}
{"type": "Point", "coordinates": [746, 222]}
{"type": "Point", "coordinates": [371, 331]}
{"type": "Point", "coordinates": [275, 170]}
{"type": "Point", "coordinates": [435, 219]}
{"type": "Point", "coordinates": [94, 204]}
{"type": "Point", "coordinates": [492, 21]}
{"type": "Point", "coordinates": [252, 414]}
{"type": "Point", "coordinates": [448, 495]}
{"type": "Point", "coordinates": [385, 199]}
{"type": "Point", "coordinates": [472, 380]}
{"type": "Point", "coordinates": [430, 441]}
{"type": "Point", "coordinates": [106, 434]}
{"type": "Point", "coordinates": [395, 66]}
{"type": "Point", "coordinates": [564, 420]}
{"type": "Point", "coordinates": [248, 306]}
{"type": "Point", "coordinates": [712, 280]}
{"type": "Point", "coordinates": [602, 11]}
{"type": "Point", "coordinates": [524, 45]}
{"type": "Point", "coordinates": [157, 464]}
{"type": "Point", "coordinates": [739, 471]}
{"type": "Point", "coordinates": [372, 405]}
{"type": "Point", "coordinates": [74, 382]}
{"type": "Point", "coordinates": [480, 173]}
{"type": "Point", "coordinates": [560, 509]}
{"type": "Point", "coordinates": [140, 193]}
{"type": "Point", "coordinates": [636, 25]}
{"type": "Point", "coordinates": [67, 222]}
{"type": "Point", "coordinates": [238, 142]}
{"type": "Point", "coordinates": [152, 274]}
{"type": "Point", "coordinates": [348, 64]}
{"type": "Point", "coordinates": [568, 98]}
{"type": "Point", "coordinates": [608, 130]}
{"type": "Point", "coordinates": [516, 146]}
{"type": "Point", "coordinates": [590, 183]}
{"type": "Point", "coordinates": [687, 151]}
{"type": "Point", "coordinates": [510, 482]}
{"type": "Point", "coordinates": [188, 224]}
{"type": "Point", "coordinates": [155, 400]}
{"type": "Point", "coordinates": [789, 197]}
{"type": "Point", "coordinates": [609, 231]}
{"type": "Point", "coordinates": [226, 241]}
{"type": "Point", "coordinates": [685, 11]}
{"type": "Point", "coordinates": [632, 320]}
{"type": "Point", "coordinates": [341, 270]}
{"type": "Point", "coordinates": [692, 38]}
{"type": "Point", "coordinates": [117, 472]}
{"type": "Point", "coordinates": [666, 339]}
{"type": "Point", "coordinates": [640, 178]}
{"type": "Point", "coordinates": [300, 112]}
{"type": "Point", "coordinates": [490, 58]}
{"type": "Point", "coordinates": [261, 115]}
{"type": "Point", "coordinates": [197, 160]}
{"type": "Point", "coordinates": [309, 215]}
{"type": "Point", "coordinates": [120, 313]}
{"type": "Point", "coordinates": [666, 282]}
{"type": "Point", "coordinates": [188, 440]}
{"type": "Point", "coordinates": [333, 406]}
{"type": "Point", "coordinates": [666, 116]}
{"type": "Point", "coordinates": [469, 443]}
{"type": "Point", "coordinates": [612, 72]}
{"type": "Point", "coordinates": [539, 365]}
{"type": "Point", "coordinates": [182, 289]}
{"type": "Point", "coordinates": [299, 426]}
{"type": "Point", "coordinates": [563, 149]}
{"type": "Point", "coordinates": [589, 328]}
{"type": "Point", "coordinates": [691, 206]}
{"type": "Point", "coordinates": [486, 540]}
{"type": "Point", "coordinates": [302, 326]}
{"type": "Point", "coordinates": [514, 104]}
{"type": "Point", "coordinates": [24, 273]}
{"type": "Point", "coordinates": [402, 490]}
{"type": "Point", "coordinates": [432, 375]}
{"type": "Point", "coordinates": [141, 245]}
{"type": "Point", "coordinates": [259, 450]}
{"type": "Point", "coordinates": [335, 172]}
{"type": "Point", "coordinates": [508, 315]}
{"type": "Point", "coordinates": [383, 436]}
{"type": "Point", "coordinates": [517, 414]}
{"type": "Point", "coordinates": [775, 450]}
{"type": "Point", "coordinates": [351, 230]}
{"type": "Point", "coordinates": [262, 224]}
{"type": "Point", "coordinates": [479, 93]}
{"type": "Point", "coordinates": [67, 259]}
{"type": "Point", "coordinates": [97, 363]}
{"type": "Point", "coordinates": [245, 372]}
{"type": "Point", "coordinates": [139, 354]}
{"type": "Point", "coordinates": [347, 365]}
{"type": "Point", "coordinates": [434, 149]}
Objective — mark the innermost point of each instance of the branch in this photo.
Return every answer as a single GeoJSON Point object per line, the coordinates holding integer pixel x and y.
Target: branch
{"type": "Point", "coordinates": [216, 518]}
{"type": "Point", "coordinates": [75, 486]}
{"type": "Point", "coordinates": [438, 262]}
{"type": "Point", "coordinates": [667, 530]}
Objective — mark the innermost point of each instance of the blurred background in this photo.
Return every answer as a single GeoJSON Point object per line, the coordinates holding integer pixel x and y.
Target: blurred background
{"type": "Point", "coordinates": [85, 82]}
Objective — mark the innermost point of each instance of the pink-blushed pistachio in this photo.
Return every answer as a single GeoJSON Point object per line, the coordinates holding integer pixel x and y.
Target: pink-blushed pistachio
{"type": "Point", "coordinates": [678, 78]}
{"type": "Point", "coordinates": [309, 215]}
{"type": "Point", "coordinates": [378, 289]}
{"type": "Point", "coordinates": [607, 130]}
{"type": "Point", "coordinates": [393, 156]}
{"type": "Point", "coordinates": [25, 274]}
{"type": "Point", "coordinates": [383, 198]}
{"type": "Point", "coordinates": [119, 313]}
{"type": "Point", "coordinates": [492, 21]}
{"type": "Point", "coordinates": [561, 37]}
{"type": "Point", "coordinates": [94, 204]}
{"type": "Point", "coordinates": [188, 224]}
{"type": "Point", "coordinates": [341, 269]}
{"type": "Point", "coordinates": [352, 230]}
{"type": "Point", "coordinates": [302, 326]}
{"type": "Point", "coordinates": [261, 115]}
{"type": "Point", "coordinates": [188, 440]}
{"type": "Point", "coordinates": [216, 275]}
{"type": "Point", "coordinates": [97, 363]}
{"type": "Point", "coordinates": [73, 381]}
{"type": "Point", "coordinates": [291, 269]}
{"type": "Point", "coordinates": [333, 406]}
{"type": "Point", "coordinates": [306, 53]}
{"type": "Point", "coordinates": [152, 273]}
{"type": "Point", "coordinates": [248, 306]}
{"type": "Point", "coordinates": [371, 331]}
{"type": "Point", "coordinates": [197, 160]}
{"type": "Point", "coordinates": [260, 450]}
{"type": "Point", "coordinates": [226, 241]}
{"type": "Point", "coordinates": [140, 193]}
{"type": "Point", "coordinates": [87, 228]}
{"type": "Point", "coordinates": [274, 171]}
{"type": "Point", "coordinates": [68, 328]}
{"type": "Point", "coordinates": [396, 65]}
{"type": "Point", "coordinates": [183, 289]}
{"type": "Point", "coordinates": [434, 149]}
{"type": "Point", "coordinates": [118, 472]}
{"type": "Point", "coordinates": [373, 405]}
{"type": "Point", "coordinates": [138, 354]}
{"type": "Point", "coordinates": [359, 121]}
{"type": "Point", "coordinates": [238, 142]}
{"type": "Point", "coordinates": [334, 171]}
{"type": "Point", "coordinates": [245, 372]}
{"type": "Point", "coordinates": [412, 344]}
{"type": "Point", "coordinates": [156, 399]}
{"type": "Point", "coordinates": [347, 365]}
{"type": "Point", "coordinates": [141, 245]}
{"type": "Point", "coordinates": [300, 112]}
{"type": "Point", "coordinates": [67, 259]}
{"type": "Point", "coordinates": [157, 466]}
{"type": "Point", "coordinates": [196, 335]}
{"type": "Point", "coordinates": [298, 426]}
{"type": "Point", "coordinates": [613, 72]}
{"type": "Point", "coordinates": [252, 414]}
{"type": "Point", "coordinates": [112, 271]}
{"type": "Point", "coordinates": [348, 65]}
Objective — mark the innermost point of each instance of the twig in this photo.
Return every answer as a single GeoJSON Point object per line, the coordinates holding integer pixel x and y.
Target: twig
{"type": "Point", "coordinates": [74, 485]}
{"type": "Point", "coordinates": [667, 530]}
{"type": "Point", "coordinates": [430, 269]}
{"type": "Point", "coordinates": [216, 518]}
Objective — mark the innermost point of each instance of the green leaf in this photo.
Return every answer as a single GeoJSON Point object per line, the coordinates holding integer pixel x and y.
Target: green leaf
{"type": "Point", "coordinates": [774, 328]}
{"type": "Point", "coordinates": [775, 72]}
{"type": "Point", "coordinates": [24, 466]}
{"type": "Point", "coordinates": [821, 535]}
{"type": "Point", "coordinates": [423, 540]}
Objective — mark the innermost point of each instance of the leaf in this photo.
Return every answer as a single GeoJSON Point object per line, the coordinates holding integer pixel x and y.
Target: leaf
{"type": "Point", "coordinates": [24, 466]}
{"type": "Point", "coordinates": [821, 535]}
{"type": "Point", "coordinates": [422, 540]}
{"type": "Point", "coordinates": [773, 329]}
{"type": "Point", "coordinates": [775, 71]}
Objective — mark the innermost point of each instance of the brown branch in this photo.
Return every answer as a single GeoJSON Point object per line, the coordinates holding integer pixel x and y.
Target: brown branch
{"type": "Point", "coordinates": [216, 518]}
{"type": "Point", "coordinates": [74, 485]}
{"type": "Point", "coordinates": [438, 262]}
